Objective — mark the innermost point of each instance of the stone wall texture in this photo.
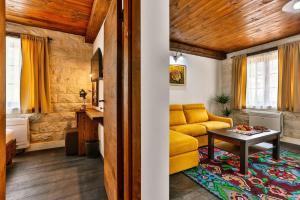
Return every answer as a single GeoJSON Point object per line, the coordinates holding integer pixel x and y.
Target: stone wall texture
{"type": "Point", "coordinates": [70, 68]}
{"type": "Point", "coordinates": [291, 121]}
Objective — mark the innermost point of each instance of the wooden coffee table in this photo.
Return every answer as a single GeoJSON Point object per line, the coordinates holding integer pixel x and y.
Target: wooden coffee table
{"type": "Point", "coordinates": [244, 142]}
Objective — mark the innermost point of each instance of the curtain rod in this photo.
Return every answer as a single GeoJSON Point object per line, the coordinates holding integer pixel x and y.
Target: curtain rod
{"type": "Point", "coordinates": [258, 52]}
{"type": "Point", "coordinates": [13, 34]}
{"type": "Point", "coordinates": [262, 51]}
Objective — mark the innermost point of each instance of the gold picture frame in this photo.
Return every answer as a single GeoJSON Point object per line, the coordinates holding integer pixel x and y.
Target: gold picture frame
{"type": "Point", "coordinates": [177, 75]}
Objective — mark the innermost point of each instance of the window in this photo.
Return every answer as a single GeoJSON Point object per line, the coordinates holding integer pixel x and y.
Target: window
{"type": "Point", "coordinates": [13, 74]}
{"type": "Point", "coordinates": [262, 81]}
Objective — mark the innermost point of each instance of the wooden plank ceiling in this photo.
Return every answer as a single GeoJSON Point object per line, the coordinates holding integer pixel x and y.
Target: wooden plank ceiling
{"type": "Point", "coordinates": [70, 16]}
{"type": "Point", "coordinates": [224, 26]}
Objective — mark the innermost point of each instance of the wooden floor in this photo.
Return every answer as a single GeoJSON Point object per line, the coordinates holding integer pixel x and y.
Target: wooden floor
{"type": "Point", "coordinates": [49, 175]}
{"type": "Point", "coordinates": [183, 188]}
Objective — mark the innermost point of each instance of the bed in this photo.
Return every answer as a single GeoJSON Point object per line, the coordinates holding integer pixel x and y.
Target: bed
{"type": "Point", "coordinates": [10, 146]}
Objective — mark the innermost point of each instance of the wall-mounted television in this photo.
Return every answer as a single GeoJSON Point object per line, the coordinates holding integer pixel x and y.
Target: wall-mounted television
{"type": "Point", "coordinates": [97, 66]}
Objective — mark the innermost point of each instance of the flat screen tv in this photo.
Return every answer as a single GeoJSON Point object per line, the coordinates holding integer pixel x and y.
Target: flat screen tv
{"type": "Point", "coordinates": [97, 66]}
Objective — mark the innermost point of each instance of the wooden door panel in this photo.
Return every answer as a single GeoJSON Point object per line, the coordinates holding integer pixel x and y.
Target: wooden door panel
{"type": "Point", "coordinates": [2, 101]}
{"type": "Point", "coordinates": [112, 70]}
{"type": "Point", "coordinates": [132, 100]}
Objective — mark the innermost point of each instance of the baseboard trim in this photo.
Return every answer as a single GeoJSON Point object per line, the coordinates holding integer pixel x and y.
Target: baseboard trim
{"type": "Point", "coordinates": [290, 140]}
{"type": "Point", "coordinates": [46, 145]}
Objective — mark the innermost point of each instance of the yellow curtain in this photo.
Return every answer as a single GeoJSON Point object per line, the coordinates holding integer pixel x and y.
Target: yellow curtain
{"type": "Point", "coordinates": [239, 81]}
{"type": "Point", "coordinates": [35, 80]}
{"type": "Point", "coordinates": [289, 77]}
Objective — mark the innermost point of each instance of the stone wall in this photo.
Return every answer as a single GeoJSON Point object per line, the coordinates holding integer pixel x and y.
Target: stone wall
{"type": "Point", "coordinates": [70, 68]}
{"type": "Point", "coordinates": [291, 121]}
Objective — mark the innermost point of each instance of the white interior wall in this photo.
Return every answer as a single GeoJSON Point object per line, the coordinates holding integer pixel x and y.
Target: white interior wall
{"type": "Point", "coordinates": [99, 43]}
{"type": "Point", "coordinates": [154, 99]}
{"type": "Point", "coordinates": [202, 82]}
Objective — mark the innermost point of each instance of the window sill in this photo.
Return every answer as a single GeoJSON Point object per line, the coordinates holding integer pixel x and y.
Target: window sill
{"type": "Point", "coordinates": [249, 110]}
{"type": "Point", "coordinates": [18, 115]}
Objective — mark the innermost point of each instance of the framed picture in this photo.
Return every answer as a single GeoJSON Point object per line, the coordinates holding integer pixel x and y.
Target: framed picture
{"type": "Point", "coordinates": [177, 74]}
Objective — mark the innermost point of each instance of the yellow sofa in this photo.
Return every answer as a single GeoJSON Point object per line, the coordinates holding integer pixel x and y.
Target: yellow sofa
{"type": "Point", "coordinates": [183, 152]}
{"type": "Point", "coordinates": [188, 127]}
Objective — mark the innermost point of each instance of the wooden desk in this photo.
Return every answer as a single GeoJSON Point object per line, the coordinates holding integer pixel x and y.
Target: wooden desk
{"type": "Point", "coordinates": [87, 125]}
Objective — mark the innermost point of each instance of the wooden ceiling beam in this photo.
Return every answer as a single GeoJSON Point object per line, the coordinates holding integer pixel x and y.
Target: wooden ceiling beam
{"type": "Point", "coordinates": [198, 51]}
{"type": "Point", "coordinates": [98, 14]}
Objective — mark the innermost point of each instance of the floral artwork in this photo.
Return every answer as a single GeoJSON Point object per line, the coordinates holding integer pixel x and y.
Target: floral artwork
{"type": "Point", "coordinates": [177, 74]}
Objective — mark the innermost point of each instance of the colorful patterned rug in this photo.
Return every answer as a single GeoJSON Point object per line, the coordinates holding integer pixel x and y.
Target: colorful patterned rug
{"type": "Point", "coordinates": [267, 179]}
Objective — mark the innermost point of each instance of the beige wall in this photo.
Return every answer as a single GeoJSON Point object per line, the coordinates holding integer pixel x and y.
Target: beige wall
{"type": "Point", "coordinates": [291, 121]}
{"type": "Point", "coordinates": [70, 68]}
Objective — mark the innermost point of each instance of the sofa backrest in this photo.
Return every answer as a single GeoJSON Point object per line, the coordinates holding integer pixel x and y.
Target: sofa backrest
{"type": "Point", "coordinates": [195, 113]}
{"type": "Point", "coordinates": [177, 115]}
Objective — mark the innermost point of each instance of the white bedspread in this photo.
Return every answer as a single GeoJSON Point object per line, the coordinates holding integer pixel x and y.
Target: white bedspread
{"type": "Point", "coordinates": [9, 135]}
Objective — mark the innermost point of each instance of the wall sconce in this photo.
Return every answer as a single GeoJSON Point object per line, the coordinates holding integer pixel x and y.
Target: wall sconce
{"type": "Point", "coordinates": [176, 56]}
{"type": "Point", "coordinates": [293, 6]}
{"type": "Point", "coordinates": [82, 94]}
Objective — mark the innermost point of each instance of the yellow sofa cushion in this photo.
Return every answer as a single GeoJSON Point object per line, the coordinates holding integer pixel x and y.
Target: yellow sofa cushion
{"type": "Point", "coordinates": [214, 125]}
{"type": "Point", "coordinates": [190, 129]}
{"type": "Point", "coordinates": [183, 161]}
{"type": "Point", "coordinates": [213, 117]}
{"type": "Point", "coordinates": [177, 116]}
{"type": "Point", "coordinates": [181, 143]}
{"type": "Point", "coordinates": [195, 113]}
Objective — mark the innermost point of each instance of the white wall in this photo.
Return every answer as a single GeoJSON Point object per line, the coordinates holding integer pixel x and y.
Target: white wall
{"type": "Point", "coordinates": [154, 99]}
{"type": "Point", "coordinates": [202, 82]}
{"type": "Point", "coordinates": [99, 43]}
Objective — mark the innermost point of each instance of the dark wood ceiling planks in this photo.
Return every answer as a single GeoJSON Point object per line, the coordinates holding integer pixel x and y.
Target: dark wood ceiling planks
{"type": "Point", "coordinates": [230, 25]}
{"type": "Point", "coordinates": [70, 16]}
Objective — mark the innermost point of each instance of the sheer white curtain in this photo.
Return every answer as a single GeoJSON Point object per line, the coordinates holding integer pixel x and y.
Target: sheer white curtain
{"type": "Point", "coordinates": [13, 74]}
{"type": "Point", "coordinates": [262, 81]}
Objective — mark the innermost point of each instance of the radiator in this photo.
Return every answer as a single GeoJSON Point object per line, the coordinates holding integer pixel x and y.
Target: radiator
{"type": "Point", "coordinates": [20, 126]}
{"type": "Point", "coordinates": [271, 120]}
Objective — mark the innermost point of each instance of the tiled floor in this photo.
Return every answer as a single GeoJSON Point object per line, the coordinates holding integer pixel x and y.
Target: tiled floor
{"type": "Point", "coordinates": [183, 188]}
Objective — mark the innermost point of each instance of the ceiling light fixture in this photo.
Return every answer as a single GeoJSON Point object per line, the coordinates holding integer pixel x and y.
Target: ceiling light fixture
{"type": "Point", "coordinates": [292, 6]}
{"type": "Point", "coordinates": [297, 5]}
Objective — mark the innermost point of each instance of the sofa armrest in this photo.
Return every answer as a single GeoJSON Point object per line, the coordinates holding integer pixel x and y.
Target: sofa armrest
{"type": "Point", "coordinates": [213, 117]}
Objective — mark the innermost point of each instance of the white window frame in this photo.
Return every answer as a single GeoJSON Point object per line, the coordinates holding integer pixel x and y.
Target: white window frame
{"type": "Point", "coordinates": [13, 74]}
{"type": "Point", "coordinates": [264, 65]}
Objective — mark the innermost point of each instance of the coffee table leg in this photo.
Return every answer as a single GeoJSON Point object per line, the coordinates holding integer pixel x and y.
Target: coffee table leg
{"type": "Point", "coordinates": [276, 148]}
{"type": "Point", "coordinates": [244, 158]}
{"type": "Point", "coordinates": [211, 147]}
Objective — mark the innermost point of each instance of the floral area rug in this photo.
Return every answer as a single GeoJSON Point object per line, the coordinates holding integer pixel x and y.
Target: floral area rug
{"type": "Point", "coordinates": [267, 179]}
